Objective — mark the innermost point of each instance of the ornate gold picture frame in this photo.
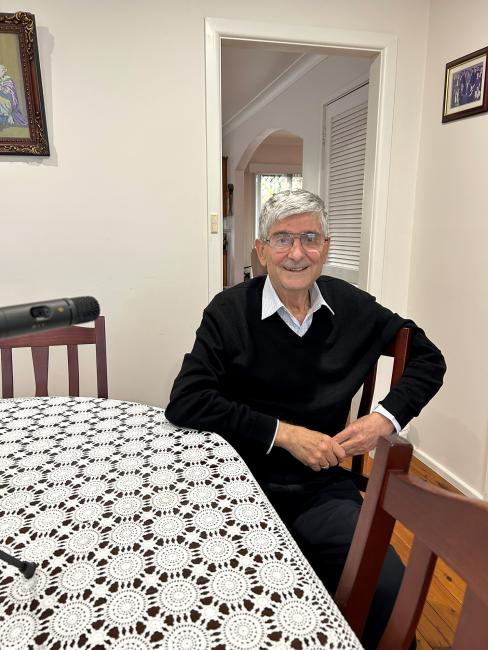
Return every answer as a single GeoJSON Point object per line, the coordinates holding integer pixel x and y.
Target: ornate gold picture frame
{"type": "Point", "coordinates": [23, 129]}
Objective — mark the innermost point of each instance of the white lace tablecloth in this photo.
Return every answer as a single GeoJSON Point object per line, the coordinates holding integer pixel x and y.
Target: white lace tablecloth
{"type": "Point", "coordinates": [147, 536]}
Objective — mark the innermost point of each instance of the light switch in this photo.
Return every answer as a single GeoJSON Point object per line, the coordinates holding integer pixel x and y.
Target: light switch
{"type": "Point", "coordinates": [214, 223]}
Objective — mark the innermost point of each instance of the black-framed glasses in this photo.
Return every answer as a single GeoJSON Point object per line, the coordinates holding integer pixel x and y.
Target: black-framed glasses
{"type": "Point", "coordinates": [310, 241]}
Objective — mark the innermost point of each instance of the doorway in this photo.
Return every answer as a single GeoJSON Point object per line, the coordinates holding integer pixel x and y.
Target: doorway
{"type": "Point", "coordinates": [319, 42]}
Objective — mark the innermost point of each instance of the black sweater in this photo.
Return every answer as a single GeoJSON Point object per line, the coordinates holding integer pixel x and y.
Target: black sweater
{"type": "Point", "coordinates": [243, 372]}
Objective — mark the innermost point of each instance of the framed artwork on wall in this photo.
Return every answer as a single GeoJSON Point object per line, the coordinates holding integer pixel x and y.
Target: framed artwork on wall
{"type": "Point", "coordinates": [466, 86]}
{"type": "Point", "coordinates": [22, 118]}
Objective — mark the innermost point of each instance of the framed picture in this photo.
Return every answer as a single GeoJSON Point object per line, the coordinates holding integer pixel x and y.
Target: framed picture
{"type": "Point", "coordinates": [465, 86]}
{"type": "Point", "coordinates": [22, 119]}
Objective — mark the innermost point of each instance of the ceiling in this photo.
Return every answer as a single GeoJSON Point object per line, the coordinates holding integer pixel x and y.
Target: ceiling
{"type": "Point", "coordinates": [249, 68]}
{"type": "Point", "coordinates": [254, 72]}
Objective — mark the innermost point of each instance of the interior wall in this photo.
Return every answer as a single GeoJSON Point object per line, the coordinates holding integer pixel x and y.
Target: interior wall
{"type": "Point", "coordinates": [267, 153]}
{"type": "Point", "coordinates": [448, 283]}
{"type": "Point", "coordinates": [119, 209]}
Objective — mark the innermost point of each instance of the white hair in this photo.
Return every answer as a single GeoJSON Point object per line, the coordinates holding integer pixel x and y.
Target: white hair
{"type": "Point", "coordinates": [288, 203]}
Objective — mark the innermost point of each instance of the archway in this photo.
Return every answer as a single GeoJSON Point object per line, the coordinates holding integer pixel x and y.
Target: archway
{"type": "Point", "coordinates": [273, 153]}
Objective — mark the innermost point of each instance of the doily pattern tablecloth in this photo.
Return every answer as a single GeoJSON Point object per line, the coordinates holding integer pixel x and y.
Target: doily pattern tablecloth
{"type": "Point", "coordinates": [147, 536]}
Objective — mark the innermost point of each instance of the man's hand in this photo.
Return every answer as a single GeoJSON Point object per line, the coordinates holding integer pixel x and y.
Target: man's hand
{"type": "Point", "coordinates": [312, 448]}
{"type": "Point", "coordinates": [363, 434]}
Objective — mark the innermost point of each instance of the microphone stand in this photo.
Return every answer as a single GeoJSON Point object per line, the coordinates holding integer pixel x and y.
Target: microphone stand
{"type": "Point", "coordinates": [27, 569]}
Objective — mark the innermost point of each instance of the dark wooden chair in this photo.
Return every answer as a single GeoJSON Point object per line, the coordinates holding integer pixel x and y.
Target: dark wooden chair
{"type": "Point", "coordinates": [40, 343]}
{"type": "Point", "coordinates": [399, 349]}
{"type": "Point", "coordinates": [444, 524]}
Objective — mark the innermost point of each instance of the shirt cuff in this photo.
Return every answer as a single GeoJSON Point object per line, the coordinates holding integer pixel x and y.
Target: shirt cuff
{"type": "Point", "coordinates": [274, 437]}
{"type": "Point", "coordinates": [382, 411]}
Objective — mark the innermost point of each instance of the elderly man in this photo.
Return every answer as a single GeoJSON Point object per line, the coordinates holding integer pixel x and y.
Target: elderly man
{"type": "Point", "coordinates": [273, 370]}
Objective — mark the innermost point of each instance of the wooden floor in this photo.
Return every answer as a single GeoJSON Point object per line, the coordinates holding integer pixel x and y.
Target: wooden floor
{"type": "Point", "coordinates": [444, 601]}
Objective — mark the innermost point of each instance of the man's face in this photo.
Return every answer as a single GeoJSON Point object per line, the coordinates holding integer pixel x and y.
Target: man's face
{"type": "Point", "coordinates": [294, 271]}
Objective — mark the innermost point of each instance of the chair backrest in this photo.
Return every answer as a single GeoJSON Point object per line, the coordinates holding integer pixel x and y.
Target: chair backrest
{"type": "Point", "coordinates": [40, 342]}
{"type": "Point", "coordinates": [444, 524]}
{"type": "Point", "coordinates": [399, 349]}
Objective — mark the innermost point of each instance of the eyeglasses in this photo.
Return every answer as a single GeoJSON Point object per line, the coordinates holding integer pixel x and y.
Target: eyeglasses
{"type": "Point", "coordinates": [310, 241]}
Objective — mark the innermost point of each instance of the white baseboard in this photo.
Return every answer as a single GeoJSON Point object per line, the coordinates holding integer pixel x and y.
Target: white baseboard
{"type": "Point", "coordinates": [446, 474]}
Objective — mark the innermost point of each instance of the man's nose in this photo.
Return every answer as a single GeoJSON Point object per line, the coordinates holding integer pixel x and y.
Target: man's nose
{"type": "Point", "coordinates": [296, 251]}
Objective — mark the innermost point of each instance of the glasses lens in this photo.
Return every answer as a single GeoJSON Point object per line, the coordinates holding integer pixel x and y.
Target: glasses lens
{"type": "Point", "coordinates": [312, 241]}
{"type": "Point", "coordinates": [282, 241]}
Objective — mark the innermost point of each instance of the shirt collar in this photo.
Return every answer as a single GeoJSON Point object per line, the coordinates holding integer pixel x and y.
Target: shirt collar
{"type": "Point", "coordinates": [271, 302]}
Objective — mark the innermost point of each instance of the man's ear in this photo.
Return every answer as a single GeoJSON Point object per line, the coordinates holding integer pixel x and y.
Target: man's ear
{"type": "Point", "coordinates": [260, 249]}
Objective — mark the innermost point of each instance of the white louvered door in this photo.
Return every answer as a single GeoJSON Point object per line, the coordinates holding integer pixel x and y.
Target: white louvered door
{"type": "Point", "coordinates": [344, 149]}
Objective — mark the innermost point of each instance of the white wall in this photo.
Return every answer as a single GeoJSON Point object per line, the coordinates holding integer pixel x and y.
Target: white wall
{"type": "Point", "coordinates": [119, 209]}
{"type": "Point", "coordinates": [291, 154]}
{"type": "Point", "coordinates": [448, 284]}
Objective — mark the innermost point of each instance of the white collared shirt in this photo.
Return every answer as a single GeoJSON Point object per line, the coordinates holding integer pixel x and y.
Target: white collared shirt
{"type": "Point", "coordinates": [271, 304]}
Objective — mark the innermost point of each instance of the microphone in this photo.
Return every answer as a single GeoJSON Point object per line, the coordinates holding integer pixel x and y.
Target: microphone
{"type": "Point", "coordinates": [27, 569]}
{"type": "Point", "coordinates": [38, 316]}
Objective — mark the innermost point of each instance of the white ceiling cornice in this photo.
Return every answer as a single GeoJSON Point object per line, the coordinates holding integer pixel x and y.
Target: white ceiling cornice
{"type": "Point", "coordinates": [288, 77]}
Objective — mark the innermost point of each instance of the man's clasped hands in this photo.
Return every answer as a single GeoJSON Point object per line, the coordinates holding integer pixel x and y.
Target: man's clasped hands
{"type": "Point", "coordinates": [319, 451]}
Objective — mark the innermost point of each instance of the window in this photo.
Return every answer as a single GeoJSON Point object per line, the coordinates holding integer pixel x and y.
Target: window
{"type": "Point", "coordinates": [269, 184]}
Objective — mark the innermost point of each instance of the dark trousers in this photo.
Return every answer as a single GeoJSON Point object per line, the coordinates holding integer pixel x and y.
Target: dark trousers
{"type": "Point", "coordinates": [321, 516]}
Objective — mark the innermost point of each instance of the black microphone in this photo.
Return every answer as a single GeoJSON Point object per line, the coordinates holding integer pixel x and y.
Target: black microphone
{"type": "Point", "coordinates": [37, 316]}
{"type": "Point", "coordinates": [27, 569]}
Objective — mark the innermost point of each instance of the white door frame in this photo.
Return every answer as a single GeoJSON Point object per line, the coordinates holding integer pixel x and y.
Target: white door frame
{"type": "Point", "coordinates": [382, 80]}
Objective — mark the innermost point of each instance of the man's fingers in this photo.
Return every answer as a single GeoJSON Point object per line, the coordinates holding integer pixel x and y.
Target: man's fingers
{"type": "Point", "coordinates": [339, 450]}
{"type": "Point", "coordinates": [351, 448]}
{"type": "Point", "coordinates": [343, 435]}
{"type": "Point", "coordinates": [334, 454]}
{"type": "Point", "coordinates": [329, 458]}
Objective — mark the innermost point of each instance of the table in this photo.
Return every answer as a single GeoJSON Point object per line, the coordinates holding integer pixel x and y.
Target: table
{"type": "Point", "coordinates": [147, 536]}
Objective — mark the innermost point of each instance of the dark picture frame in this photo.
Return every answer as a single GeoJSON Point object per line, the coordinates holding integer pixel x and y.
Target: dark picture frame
{"type": "Point", "coordinates": [23, 129]}
{"type": "Point", "coordinates": [466, 86]}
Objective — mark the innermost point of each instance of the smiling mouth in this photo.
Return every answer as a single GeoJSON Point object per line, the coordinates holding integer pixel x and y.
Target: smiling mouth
{"type": "Point", "coordinates": [297, 270]}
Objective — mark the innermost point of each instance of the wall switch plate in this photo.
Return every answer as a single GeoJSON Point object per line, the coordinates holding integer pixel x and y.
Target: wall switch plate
{"type": "Point", "coordinates": [214, 223]}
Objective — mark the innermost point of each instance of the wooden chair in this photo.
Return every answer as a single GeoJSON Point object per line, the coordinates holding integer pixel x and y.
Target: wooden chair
{"type": "Point", "coordinates": [444, 524]}
{"type": "Point", "coordinates": [399, 349]}
{"type": "Point", "coordinates": [40, 343]}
